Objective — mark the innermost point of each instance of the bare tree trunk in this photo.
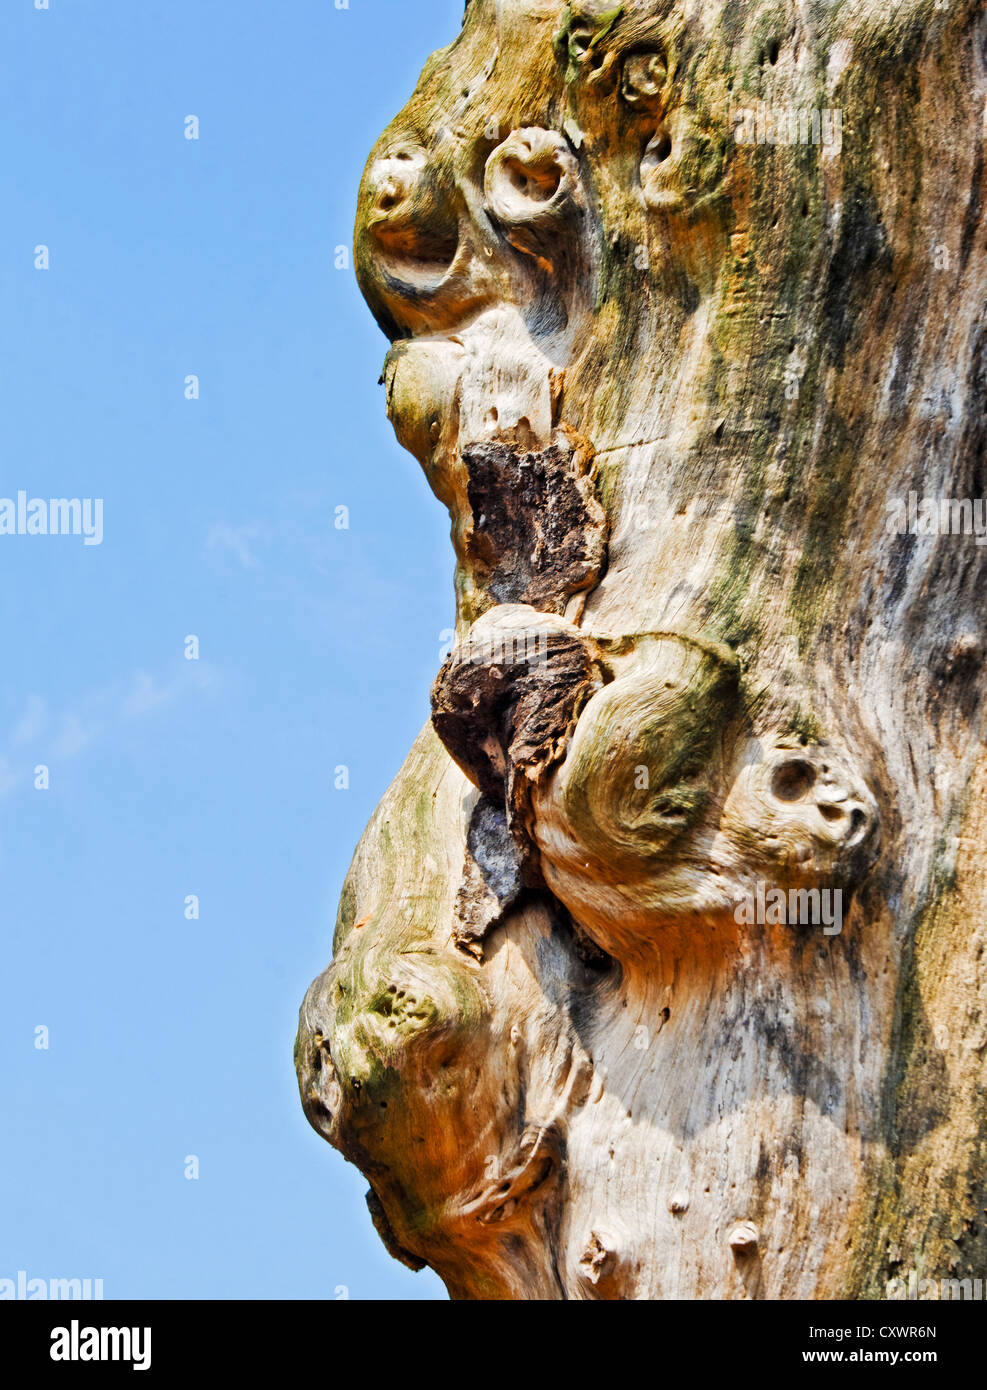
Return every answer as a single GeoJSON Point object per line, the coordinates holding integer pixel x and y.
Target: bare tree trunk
{"type": "Point", "coordinates": [660, 971]}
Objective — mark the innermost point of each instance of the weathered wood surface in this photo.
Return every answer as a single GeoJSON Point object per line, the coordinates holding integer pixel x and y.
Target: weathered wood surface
{"type": "Point", "coordinates": [670, 383]}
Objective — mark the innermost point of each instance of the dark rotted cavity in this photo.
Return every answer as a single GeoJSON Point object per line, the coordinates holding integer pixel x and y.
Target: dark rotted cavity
{"type": "Point", "coordinates": [492, 876]}
{"type": "Point", "coordinates": [497, 720]}
{"type": "Point", "coordinates": [539, 531]}
{"type": "Point", "coordinates": [493, 850]}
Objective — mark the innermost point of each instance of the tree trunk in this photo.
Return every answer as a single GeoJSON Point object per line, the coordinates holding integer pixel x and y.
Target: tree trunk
{"type": "Point", "coordinates": [660, 971]}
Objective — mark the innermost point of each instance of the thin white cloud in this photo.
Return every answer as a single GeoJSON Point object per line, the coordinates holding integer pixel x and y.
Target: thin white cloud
{"type": "Point", "coordinates": [73, 736]}
{"type": "Point", "coordinates": [31, 723]}
{"type": "Point", "coordinates": [234, 540]}
{"type": "Point", "coordinates": [46, 736]}
{"type": "Point", "coordinates": [147, 695]}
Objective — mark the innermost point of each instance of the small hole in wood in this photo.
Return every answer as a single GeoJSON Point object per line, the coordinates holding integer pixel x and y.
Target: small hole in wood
{"type": "Point", "coordinates": [793, 780]}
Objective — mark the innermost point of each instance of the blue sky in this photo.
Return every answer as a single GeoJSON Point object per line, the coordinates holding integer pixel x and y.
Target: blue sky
{"type": "Point", "coordinates": [169, 258]}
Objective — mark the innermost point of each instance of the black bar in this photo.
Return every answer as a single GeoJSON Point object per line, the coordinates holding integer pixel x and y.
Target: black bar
{"type": "Point", "coordinates": [329, 1339]}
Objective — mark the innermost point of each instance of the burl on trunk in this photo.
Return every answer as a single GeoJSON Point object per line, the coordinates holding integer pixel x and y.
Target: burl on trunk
{"type": "Point", "coordinates": [660, 971]}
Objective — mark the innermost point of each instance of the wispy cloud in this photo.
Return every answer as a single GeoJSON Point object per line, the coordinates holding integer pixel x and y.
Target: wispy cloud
{"type": "Point", "coordinates": [235, 540]}
{"type": "Point", "coordinates": [31, 723]}
{"type": "Point", "coordinates": [46, 735]}
{"type": "Point", "coordinates": [147, 694]}
{"type": "Point", "coordinates": [72, 737]}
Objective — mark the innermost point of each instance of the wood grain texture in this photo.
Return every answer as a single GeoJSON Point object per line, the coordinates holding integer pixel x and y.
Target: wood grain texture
{"type": "Point", "coordinates": [685, 301]}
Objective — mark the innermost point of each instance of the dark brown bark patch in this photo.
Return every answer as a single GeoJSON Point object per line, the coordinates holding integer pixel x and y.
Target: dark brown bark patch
{"type": "Point", "coordinates": [506, 720]}
{"type": "Point", "coordinates": [539, 532]}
